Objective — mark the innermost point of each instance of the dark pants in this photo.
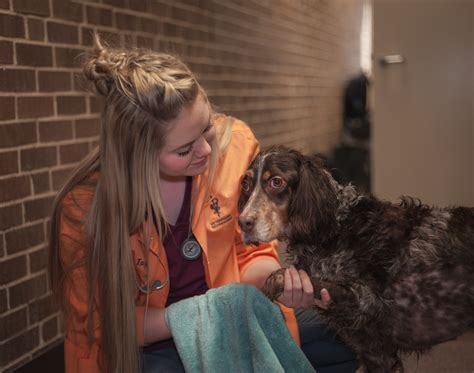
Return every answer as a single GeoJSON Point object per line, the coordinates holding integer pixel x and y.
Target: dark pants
{"type": "Point", "coordinates": [162, 361]}
{"type": "Point", "coordinates": [320, 345]}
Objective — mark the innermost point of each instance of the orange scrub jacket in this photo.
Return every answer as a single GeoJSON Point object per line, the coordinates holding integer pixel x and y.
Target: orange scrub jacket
{"type": "Point", "coordinates": [225, 257]}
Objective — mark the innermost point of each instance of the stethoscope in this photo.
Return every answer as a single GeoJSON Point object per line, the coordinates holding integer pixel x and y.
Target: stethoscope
{"type": "Point", "coordinates": [190, 249]}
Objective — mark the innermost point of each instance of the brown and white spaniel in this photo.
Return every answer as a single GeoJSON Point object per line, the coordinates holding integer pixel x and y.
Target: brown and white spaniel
{"type": "Point", "coordinates": [401, 276]}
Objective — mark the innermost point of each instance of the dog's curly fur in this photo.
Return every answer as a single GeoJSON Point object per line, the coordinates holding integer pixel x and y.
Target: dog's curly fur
{"type": "Point", "coordinates": [401, 276]}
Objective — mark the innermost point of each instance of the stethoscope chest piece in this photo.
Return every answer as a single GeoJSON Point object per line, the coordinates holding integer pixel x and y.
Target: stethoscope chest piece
{"type": "Point", "coordinates": [190, 248]}
{"type": "Point", "coordinates": [157, 285]}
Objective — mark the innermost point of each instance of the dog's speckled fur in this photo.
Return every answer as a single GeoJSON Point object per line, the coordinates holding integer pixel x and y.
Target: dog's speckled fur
{"type": "Point", "coordinates": [401, 276]}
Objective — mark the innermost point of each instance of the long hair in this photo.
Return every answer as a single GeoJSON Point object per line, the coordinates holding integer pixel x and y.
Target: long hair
{"type": "Point", "coordinates": [144, 91]}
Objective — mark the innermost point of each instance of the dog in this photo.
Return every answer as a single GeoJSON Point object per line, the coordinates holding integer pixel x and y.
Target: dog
{"type": "Point", "coordinates": [400, 276]}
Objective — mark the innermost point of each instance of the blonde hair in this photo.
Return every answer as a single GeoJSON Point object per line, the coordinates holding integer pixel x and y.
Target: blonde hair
{"type": "Point", "coordinates": [144, 91]}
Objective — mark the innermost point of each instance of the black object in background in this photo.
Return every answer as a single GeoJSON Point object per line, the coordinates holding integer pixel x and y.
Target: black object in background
{"type": "Point", "coordinates": [356, 114]}
{"type": "Point", "coordinates": [349, 161]}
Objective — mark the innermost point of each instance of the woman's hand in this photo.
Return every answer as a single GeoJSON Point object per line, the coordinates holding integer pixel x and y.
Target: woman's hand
{"type": "Point", "coordinates": [299, 293]}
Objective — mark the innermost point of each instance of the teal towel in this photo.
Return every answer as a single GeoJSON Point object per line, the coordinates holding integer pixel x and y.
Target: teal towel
{"type": "Point", "coordinates": [234, 328]}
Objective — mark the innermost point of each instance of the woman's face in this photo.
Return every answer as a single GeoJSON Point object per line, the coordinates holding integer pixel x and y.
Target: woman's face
{"type": "Point", "coordinates": [188, 142]}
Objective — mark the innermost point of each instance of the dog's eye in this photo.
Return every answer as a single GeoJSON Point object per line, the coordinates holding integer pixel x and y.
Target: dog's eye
{"type": "Point", "coordinates": [276, 182]}
{"type": "Point", "coordinates": [245, 185]}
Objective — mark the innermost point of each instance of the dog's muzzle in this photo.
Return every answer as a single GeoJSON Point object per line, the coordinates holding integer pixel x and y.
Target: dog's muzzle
{"type": "Point", "coordinates": [247, 226]}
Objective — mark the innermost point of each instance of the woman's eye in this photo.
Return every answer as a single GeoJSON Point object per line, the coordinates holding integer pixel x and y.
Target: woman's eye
{"type": "Point", "coordinates": [276, 183]}
{"type": "Point", "coordinates": [245, 186]}
{"type": "Point", "coordinates": [185, 153]}
{"type": "Point", "coordinates": [209, 127]}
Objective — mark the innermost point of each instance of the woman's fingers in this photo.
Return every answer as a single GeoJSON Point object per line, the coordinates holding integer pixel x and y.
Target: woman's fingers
{"type": "Point", "coordinates": [307, 289]}
{"type": "Point", "coordinates": [287, 297]}
{"type": "Point", "coordinates": [297, 292]}
{"type": "Point", "coordinates": [325, 296]}
{"type": "Point", "coordinates": [324, 301]}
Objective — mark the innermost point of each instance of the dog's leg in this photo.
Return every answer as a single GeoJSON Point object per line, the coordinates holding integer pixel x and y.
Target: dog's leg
{"type": "Point", "coordinates": [382, 363]}
{"type": "Point", "coordinates": [398, 367]}
{"type": "Point", "coordinates": [274, 285]}
{"type": "Point", "coordinates": [337, 292]}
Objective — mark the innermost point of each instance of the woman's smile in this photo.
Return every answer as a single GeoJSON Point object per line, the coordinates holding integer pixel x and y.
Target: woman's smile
{"type": "Point", "coordinates": [200, 163]}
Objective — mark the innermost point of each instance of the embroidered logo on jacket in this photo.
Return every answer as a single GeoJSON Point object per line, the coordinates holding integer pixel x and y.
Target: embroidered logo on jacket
{"type": "Point", "coordinates": [215, 206]}
{"type": "Point", "coordinates": [216, 209]}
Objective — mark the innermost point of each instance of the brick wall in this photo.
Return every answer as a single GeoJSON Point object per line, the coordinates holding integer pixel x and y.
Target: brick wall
{"type": "Point", "coordinates": [279, 65]}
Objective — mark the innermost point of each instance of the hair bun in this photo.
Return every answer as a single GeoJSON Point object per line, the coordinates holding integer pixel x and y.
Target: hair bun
{"type": "Point", "coordinates": [98, 67]}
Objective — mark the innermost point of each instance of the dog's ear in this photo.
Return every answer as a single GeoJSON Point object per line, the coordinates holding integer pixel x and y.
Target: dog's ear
{"type": "Point", "coordinates": [312, 209]}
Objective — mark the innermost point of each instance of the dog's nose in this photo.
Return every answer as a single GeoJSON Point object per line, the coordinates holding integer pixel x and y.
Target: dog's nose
{"type": "Point", "coordinates": [246, 224]}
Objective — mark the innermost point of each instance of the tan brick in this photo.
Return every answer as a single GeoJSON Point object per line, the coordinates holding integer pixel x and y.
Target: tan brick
{"type": "Point", "coordinates": [68, 105]}
{"type": "Point", "coordinates": [68, 10]}
{"type": "Point", "coordinates": [126, 21]}
{"type": "Point", "coordinates": [41, 309]}
{"type": "Point", "coordinates": [38, 158]}
{"type": "Point", "coordinates": [13, 323]}
{"type": "Point", "coordinates": [2, 246]}
{"type": "Point", "coordinates": [12, 26]}
{"type": "Point", "coordinates": [51, 81]}
{"type": "Point", "coordinates": [73, 152]}
{"type": "Point", "coordinates": [36, 7]}
{"type": "Point", "coordinates": [11, 216]}
{"type": "Point", "coordinates": [34, 55]}
{"type": "Point", "coordinates": [38, 260]}
{"type": "Point", "coordinates": [27, 291]}
{"type": "Point", "coordinates": [55, 130]}
{"type": "Point", "coordinates": [40, 182]}
{"type": "Point", "coordinates": [15, 187]}
{"type": "Point", "coordinates": [15, 134]}
{"type": "Point", "coordinates": [62, 33]}
{"type": "Point", "coordinates": [68, 57]}
{"type": "Point", "coordinates": [17, 80]}
{"type": "Point", "coordinates": [149, 25]}
{"type": "Point", "coordinates": [18, 346]}
{"type": "Point", "coordinates": [6, 52]}
{"type": "Point", "coordinates": [23, 238]}
{"type": "Point", "coordinates": [140, 6]}
{"type": "Point", "coordinates": [99, 16]}
{"type": "Point", "coordinates": [49, 329]}
{"type": "Point", "coordinates": [35, 107]}
{"type": "Point", "coordinates": [13, 269]}
{"type": "Point", "coordinates": [87, 127]}
{"type": "Point", "coordinates": [7, 105]}
{"type": "Point", "coordinates": [3, 300]}
{"type": "Point", "coordinates": [87, 36]}
{"type": "Point", "coordinates": [60, 176]}
{"type": "Point", "coordinates": [8, 162]}
{"type": "Point", "coordinates": [35, 29]}
{"type": "Point", "coordinates": [116, 3]}
{"type": "Point", "coordinates": [38, 208]}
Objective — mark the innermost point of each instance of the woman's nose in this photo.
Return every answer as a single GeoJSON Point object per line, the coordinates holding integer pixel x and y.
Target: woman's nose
{"type": "Point", "coordinates": [204, 148]}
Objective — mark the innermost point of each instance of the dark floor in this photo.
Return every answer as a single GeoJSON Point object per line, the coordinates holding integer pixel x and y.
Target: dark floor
{"type": "Point", "coordinates": [451, 357]}
{"type": "Point", "coordinates": [51, 362]}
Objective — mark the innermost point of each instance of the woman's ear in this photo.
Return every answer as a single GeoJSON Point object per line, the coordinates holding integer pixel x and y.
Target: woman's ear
{"type": "Point", "coordinates": [312, 209]}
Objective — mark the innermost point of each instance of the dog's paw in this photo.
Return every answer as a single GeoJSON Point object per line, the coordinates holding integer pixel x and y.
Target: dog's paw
{"type": "Point", "coordinates": [274, 284]}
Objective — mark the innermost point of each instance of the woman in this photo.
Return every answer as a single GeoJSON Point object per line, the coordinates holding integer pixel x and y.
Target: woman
{"type": "Point", "coordinates": [149, 218]}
